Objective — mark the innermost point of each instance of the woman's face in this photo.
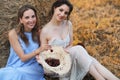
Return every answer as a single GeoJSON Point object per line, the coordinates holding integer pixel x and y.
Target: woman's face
{"type": "Point", "coordinates": [28, 20]}
{"type": "Point", "coordinates": [61, 12]}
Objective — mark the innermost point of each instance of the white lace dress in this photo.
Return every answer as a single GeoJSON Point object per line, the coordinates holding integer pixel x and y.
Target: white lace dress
{"type": "Point", "coordinates": [81, 60]}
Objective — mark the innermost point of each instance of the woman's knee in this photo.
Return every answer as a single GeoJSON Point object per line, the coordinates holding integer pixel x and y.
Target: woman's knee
{"type": "Point", "coordinates": [79, 47]}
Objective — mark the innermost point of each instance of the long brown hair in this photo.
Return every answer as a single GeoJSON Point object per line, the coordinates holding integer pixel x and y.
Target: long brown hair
{"type": "Point", "coordinates": [20, 29]}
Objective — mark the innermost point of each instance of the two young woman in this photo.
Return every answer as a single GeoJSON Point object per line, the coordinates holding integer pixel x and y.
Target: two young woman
{"type": "Point", "coordinates": [24, 41]}
{"type": "Point", "coordinates": [58, 31]}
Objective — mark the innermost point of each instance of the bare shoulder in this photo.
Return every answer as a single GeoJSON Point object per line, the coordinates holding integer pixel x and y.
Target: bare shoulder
{"type": "Point", "coordinates": [45, 29]}
{"type": "Point", "coordinates": [68, 22]}
{"type": "Point", "coordinates": [12, 33]}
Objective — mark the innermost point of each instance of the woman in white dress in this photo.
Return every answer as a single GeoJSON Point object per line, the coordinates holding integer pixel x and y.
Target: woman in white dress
{"type": "Point", "coordinates": [58, 31]}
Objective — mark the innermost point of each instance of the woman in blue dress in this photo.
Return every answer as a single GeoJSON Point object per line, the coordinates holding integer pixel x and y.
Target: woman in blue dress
{"type": "Point", "coordinates": [24, 41]}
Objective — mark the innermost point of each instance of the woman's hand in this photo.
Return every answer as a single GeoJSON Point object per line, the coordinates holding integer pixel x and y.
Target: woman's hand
{"type": "Point", "coordinates": [67, 49]}
{"type": "Point", "coordinates": [42, 48]}
{"type": "Point", "coordinates": [45, 47]}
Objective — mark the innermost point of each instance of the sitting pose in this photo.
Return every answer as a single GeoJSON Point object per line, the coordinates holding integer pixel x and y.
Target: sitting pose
{"type": "Point", "coordinates": [24, 41]}
{"type": "Point", "coordinates": [58, 31]}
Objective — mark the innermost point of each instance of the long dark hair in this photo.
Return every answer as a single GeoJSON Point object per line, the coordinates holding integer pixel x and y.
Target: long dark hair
{"type": "Point", "coordinates": [58, 3]}
{"type": "Point", "coordinates": [20, 28]}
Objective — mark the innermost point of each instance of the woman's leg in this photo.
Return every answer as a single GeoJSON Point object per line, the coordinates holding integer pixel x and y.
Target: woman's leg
{"type": "Point", "coordinates": [96, 69]}
{"type": "Point", "coordinates": [104, 71]}
{"type": "Point", "coordinates": [93, 71]}
{"type": "Point", "coordinates": [85, 62]}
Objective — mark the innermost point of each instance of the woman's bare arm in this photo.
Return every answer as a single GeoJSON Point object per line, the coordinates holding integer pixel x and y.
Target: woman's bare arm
{"type": "Point", "coordinates": [13, 39]}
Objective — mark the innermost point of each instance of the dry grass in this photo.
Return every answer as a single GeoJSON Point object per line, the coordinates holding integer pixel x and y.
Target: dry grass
{"type": "Point", "coordinates": [96, 25]}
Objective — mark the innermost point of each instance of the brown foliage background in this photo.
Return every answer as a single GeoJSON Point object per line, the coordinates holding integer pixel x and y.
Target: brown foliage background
{"type": "Point", "coordinates": [96, 24]}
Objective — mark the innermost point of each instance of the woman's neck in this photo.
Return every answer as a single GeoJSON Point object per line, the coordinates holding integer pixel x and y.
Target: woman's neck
{"type": "Point", "coordinates": [55, 22]}
{"type": "Point", "coordinates": [27, 30]}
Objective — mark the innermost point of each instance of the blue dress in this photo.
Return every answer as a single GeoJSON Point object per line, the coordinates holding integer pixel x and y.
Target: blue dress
{"type": "Point", "coordinates": [18, 70]}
